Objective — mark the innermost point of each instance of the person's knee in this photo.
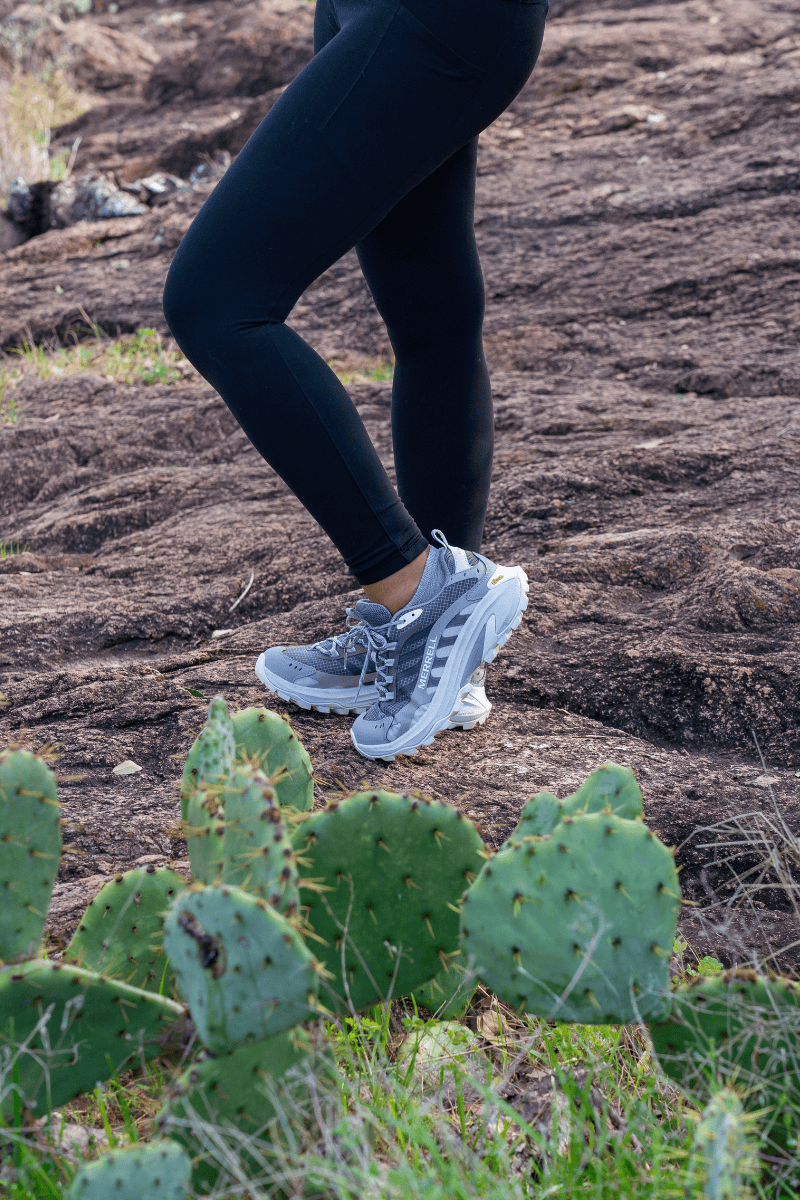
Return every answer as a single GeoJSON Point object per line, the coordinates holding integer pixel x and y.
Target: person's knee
{"type": "Point", "coordinates": [181, 303]}
{"type": "Point", "coordinates": [427, 329]}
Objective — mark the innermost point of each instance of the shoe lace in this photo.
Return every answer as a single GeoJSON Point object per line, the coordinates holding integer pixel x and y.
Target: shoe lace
{"type": "Point", "coordinates": [376, 645]}
{"type": "Point", "coordinates": [373, 642]}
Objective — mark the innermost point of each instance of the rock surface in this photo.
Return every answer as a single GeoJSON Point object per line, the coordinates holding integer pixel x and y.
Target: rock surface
{"type": "Point", "coordinates": [636, 215]}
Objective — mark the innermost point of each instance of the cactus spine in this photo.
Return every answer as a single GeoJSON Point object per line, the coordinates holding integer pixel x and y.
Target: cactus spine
{"type": "Point", "coordinates": [256, 852]}
{"type": "Point", "coordinates": [268, 738]}
{"type": "Point", "coordinates": [208, 765]}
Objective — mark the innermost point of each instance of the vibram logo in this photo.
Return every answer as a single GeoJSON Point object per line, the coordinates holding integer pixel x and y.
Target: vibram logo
{"type": "Point", "coordinates": [496, 579]}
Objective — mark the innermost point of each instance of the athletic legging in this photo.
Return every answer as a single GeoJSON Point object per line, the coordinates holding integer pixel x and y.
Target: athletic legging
{"type": "Point", "coordinates": [373, 145]}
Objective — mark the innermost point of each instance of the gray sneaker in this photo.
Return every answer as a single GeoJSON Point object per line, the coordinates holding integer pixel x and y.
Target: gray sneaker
{"type": "Point", "coordinates": [326, 675]}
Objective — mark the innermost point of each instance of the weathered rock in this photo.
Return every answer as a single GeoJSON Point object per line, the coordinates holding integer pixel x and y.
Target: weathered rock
{"type": "Point", "coordinates": [98, 56]}
{"type": "Point", "coordinates": [246, 51]}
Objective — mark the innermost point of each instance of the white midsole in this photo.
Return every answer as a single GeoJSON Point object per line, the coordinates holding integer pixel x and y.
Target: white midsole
{"type": "Point", "coordinates": [367, 697]}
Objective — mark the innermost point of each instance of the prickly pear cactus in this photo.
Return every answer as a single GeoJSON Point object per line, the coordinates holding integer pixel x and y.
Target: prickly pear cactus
{"type": "Point", "coordinates": [396, 867]}
{"type": "Point", "coordinates": [121, 934]}
{"type": "Point", "coordinates": [231, 1092]}
{"type": "Point", "coordinates": [212, 756]}
{"type": "Point", "coordinates": [577, 925]}
{"type": "Point", "coordinates": [30, 849]}
{"type": "Point", "coordinates": [608, 789]}
{"type": "Point", "coordinates": [256, 852]}
{"type": "Point", "coordinates": [209, 763]}
{"type": "Point", "coordinates": [147, 1171]}
{"type": "Point", "coordinates": [538, 816]}
{"type": "Point", "coordinates": [723, 1150]}
{"type": "Point", "coordinates": [448, 994]}
{"type": "Point", "coordinates": [245, 972]}
{"type": "Point", "coordinates": [738, 1026]}
{"type": "Point", "coordinates": [269, 738]}
{"type": "Point", "coordinates": [95, 1025]}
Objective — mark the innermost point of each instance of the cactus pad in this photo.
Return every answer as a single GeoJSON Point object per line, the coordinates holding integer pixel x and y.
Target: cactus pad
{"type": "Point", "coordinates": [723, 1149]}
{"type": "Point", "coordinates": [396, 866]}
{"type": "Point", "coordinates": [228, 1090]}
{"type": "Point", "coordinates": [448, 994]}
{"type": "Point", "coordinates": [121, 933]}
{"type": "Point", "coordinates": [209, 763]}
{"type": "Point", "coordinates": [269, 738]}
{"type": "Point", "coordinates": [737, 1026]}
{"type": "Point", "coordinates": [150, 1171]}
{"type": "Point", "coordinates": [608, 789]}
{"type": "Point", "coordinates": [30, 849]}
{"type": "Point", "coordinates": [92, 1019]}
{"type": "Point", "coordinates": [256, 852]}
{"type": "Point", "coordinates": [245, 972]}
{"type": "Point", "coordinates": [568, 925]}
{"type": "Point", "coordinates": [212, 756]}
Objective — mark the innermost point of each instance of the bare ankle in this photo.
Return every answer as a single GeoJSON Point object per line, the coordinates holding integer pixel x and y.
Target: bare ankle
{"type": "Point", "coordinates": [396, 590]}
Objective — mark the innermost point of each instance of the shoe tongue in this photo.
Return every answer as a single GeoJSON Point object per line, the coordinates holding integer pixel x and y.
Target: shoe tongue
{"type": "Point", "coordinates": [373, 614]}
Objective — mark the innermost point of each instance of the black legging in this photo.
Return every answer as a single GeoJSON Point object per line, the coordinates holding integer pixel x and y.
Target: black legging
{"type": "Point", "coordinates": [372, 145]}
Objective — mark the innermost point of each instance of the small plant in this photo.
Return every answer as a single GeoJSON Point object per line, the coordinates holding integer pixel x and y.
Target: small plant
{"type": "Point", "coordinates": [139, 358]}
{"type": "Point", "coordinates": [8, 405]}
{"type": "Point", "coordinates": [376, 371]}
{"type": "Point", "coordinates": [31, 104]}
{"type": "Point", "coordinates": [8, 549]}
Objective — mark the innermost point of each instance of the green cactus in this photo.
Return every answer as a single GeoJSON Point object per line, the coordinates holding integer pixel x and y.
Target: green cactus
{"type": "Point", "coordinates": [121, 934]}
{"type": "Point", "coordinates": [256, 852]}
{"type": "Point", "coordinates": [245, 972]}
{"type": "Point", "coordinates": [149, 1171]}
{"type": "Point", "coordinates": [395, 867]}
{"type": "Point", "coordinates": [540, 813]}
{"type": "Point", "coordinates": [449, 993]}
{"type": "Point", "coordinates": [212, 756]}
{"type": "Point", "coordinates": [209, 763]}
{"type": "Point", "coordinates": [268, 738]}
{"type": "Point", "coordinates": [723, 1152]}
{"type": "Point", "coordinates": [608, 789]}
{"type": "Point", "coordinates": [577, 925]}
{"type": "Point", "coordinates": [229, 1091]}
{"type": "Point", "coordinates": [739, 1027]}
{"type": "Point", "coordinates": [62, 1029]}
{"type": "Point", "coordinates": [30, 848]}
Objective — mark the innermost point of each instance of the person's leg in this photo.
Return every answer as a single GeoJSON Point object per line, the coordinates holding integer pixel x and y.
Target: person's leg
{"type": "Point", "coordinates": [380, 107]}
{"type": "Point", "coordinates": [421, 263]}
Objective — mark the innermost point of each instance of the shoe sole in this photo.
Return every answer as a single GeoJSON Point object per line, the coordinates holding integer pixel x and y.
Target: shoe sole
{"type": "Point", "coordinates": [429, 728]}
{"type": "Point", "coordinates": [273, 684]}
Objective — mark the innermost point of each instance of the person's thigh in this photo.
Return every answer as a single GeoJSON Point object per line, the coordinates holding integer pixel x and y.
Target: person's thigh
{"type": "Point", "coordinates": [378, 108]}
{"type": "Point", "coordinates": [421, 261]}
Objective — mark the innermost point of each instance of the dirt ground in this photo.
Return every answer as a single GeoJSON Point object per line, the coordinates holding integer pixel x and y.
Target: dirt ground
{"type": "Point", "coordinates": [636, 217]}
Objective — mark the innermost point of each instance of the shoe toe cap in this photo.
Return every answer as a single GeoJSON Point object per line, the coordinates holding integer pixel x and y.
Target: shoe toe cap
{"type": "Point", "coordinates": [278, 662]}
{"type": "Point", "coordinates": [372, 733]}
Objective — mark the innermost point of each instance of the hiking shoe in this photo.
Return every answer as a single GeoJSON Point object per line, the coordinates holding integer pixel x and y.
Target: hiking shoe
{"type": "Point", "coordinates": [327, 676]}
{"type": "Point", "coordinates": [463, 611]}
